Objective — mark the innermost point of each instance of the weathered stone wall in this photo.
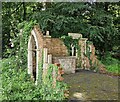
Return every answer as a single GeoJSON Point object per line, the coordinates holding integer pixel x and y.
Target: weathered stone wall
{"type": "Point", "coordinates": [55, 46]}
{"type": "Point", "coordinates": [67, 63]}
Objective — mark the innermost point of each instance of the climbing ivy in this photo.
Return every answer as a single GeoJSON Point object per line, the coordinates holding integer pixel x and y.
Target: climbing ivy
{"type": "Point", "coordinates": [26, 30]}
{"type": "Point", "coordinates": [88, 53]}
{"type": "Point", "coordinates": [49, 91]}
{"type": "Point", "coordinates": [40, 69]}
{"type": "Point", "coordinates": [68, 41]}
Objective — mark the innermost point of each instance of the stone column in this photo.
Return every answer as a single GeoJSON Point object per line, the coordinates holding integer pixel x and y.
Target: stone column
{"type": "Point", "coordinates": [54, 77]}
{"type": "Point", "coordinates": [50, 59]}
{"type": "Point", "coordinates": [90, 48]}
{"type": "Point", "coordinates": [45, 60]}
{"type": "Point", "coordinates": [30, 61]}
{"type": "Point", "coordinates": [85, 44]}
{"type": "Point", "coordinates": [30, 56]}
{"type": "Point", "coordinates": [72, 46]}
{"type": "Point", "coordinates": [47, 33]}
{"type": "Point", "coordinates": [82, 55]}
{"type": "Point", "coordinates": [37, 63]}
{"type": "Point", "coordinates": [45, 63]}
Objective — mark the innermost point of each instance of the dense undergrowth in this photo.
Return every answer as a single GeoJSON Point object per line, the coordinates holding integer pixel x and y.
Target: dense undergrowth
{"type": "Point", "coordinates": [112, 64]}
{"type": "Point", "coordinates": [17, 85]}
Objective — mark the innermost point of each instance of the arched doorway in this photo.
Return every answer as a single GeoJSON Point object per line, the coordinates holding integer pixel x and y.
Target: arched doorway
{"type": "Point", "coordinates": [33, 56]}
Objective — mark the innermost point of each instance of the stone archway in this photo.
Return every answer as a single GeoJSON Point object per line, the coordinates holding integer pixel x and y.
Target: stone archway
{"type": "Point", "coordinates": [33, 56]}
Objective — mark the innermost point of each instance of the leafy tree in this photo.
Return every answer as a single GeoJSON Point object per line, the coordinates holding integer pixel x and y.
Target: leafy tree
{"type": "Point", "coordinates": [98, 21]}
{"type": "Point", "coordinates": [14, 13]}
{"type": "Point", "coordinates": [95, 21]}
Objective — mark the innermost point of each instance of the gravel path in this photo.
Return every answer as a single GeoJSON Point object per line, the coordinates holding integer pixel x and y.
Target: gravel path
{"type": "Point", "coordinates": [86, 85]}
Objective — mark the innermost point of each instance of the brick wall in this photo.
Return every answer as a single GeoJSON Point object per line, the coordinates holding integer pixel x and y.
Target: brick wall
{"type": "Point", "coordinates": [55, 46]}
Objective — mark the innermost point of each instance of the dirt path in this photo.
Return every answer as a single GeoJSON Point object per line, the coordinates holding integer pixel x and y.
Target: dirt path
{"type": "Point", "coordinates": [86, 85]}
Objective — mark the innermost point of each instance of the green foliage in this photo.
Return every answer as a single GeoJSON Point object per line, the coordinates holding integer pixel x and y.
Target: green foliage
{"type": "Point", "coordinates": [91, 20]}
{"type": "Point", "coordinates": [14, 13]}
{"type": "Point", "coordinates": [88, 53]}
{"type": "Point", "coordinates": [51, 92]}
{"type": "Point", "coordinates": [16, 82]}
{"type": "Point", "coordinates": [68, 41]}
{"type": "Point", "coordinates": [26, 31]}
{"type": "Point", "coordinates": [112, 64]}
{"type": "Point", "coordinates": [17, 85]}
{"type": "Point", "coordinates": [99, 22]}
{"type": "Point", "coordinates": [114, 68]}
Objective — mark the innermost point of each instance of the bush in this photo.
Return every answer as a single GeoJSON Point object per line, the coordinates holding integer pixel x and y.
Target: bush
{"type": "Point", "coordinates": [17, 85]}
{"type": "Point", "coordinates": [114, 68]}
{"type": "Point", "coordinates": [112, 64]}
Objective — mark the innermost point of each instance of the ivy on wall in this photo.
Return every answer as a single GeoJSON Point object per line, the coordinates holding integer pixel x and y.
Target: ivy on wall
{"type": "Point", "coordinates": [47, 91]}
{"type": "Point", "coordinates": [26, 30]}
{"type": "Point", "coordinates": [88, 53]}
{"type": "Point", "coordinates": [68, 41]}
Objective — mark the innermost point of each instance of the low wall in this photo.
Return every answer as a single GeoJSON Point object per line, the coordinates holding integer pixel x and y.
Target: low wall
{"type": "Point", "coordinates": [67, 63]}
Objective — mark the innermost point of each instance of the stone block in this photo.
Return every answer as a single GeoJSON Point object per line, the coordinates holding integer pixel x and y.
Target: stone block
{"type": "Point", "coordinates": [67, 63]}
{"type": "Point", "coordinates": [75, 35]}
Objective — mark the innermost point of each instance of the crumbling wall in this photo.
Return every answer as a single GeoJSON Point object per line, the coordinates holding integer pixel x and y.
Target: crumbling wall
{"type": "Point", "coordinates": [67, 63]}
{"type": "Point", "coordinates": [55, 46]}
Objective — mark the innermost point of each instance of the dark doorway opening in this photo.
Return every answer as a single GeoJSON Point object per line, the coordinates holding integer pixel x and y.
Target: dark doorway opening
{"type": "Point", "coordinates": [34, 58]}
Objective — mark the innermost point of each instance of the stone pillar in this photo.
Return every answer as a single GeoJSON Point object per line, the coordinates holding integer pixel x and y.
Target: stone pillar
{"type": "Point", "coordinates": [30, 61]}
{"type": "Point", "coordinates": [72, 46]}
{"type": "Point", "coordinates": [30, 56]}
{"type": "Point", "coordinates": [85, 44]}
{"type": "Point", "coordinates": [37, 67]}
{"type": "Point", "coordinates": [47, 33]}
{"type": "Point", "coordinates": [45, 59]}
{"type": "Point", "coordinates": [83, 51]}
{"type": "Point", "coordinates": [45, 63]}
{"type": "Point", "coordinates": [82, 56]}
{"type": "Point", "coordinates": [90, 48]}
{"type": "Point", "coordinates": [54, 77]}
{"type": "Point", "coordinates": [50, 59]}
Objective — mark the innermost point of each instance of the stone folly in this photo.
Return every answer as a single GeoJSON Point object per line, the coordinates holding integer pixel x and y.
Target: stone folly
{"type": "Point", "coordinates": [53, 50]}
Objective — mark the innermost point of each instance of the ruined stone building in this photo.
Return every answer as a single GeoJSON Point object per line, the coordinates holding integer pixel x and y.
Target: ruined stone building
{"type": "Point", "coordinates": [53, 50]}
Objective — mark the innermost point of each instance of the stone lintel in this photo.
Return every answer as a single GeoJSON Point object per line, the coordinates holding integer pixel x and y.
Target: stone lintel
{"type": "Point", "coordinates": [75, 35]}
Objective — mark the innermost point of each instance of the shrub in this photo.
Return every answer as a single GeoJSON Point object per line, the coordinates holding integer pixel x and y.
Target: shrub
{"type": "Point", "coordinates": [112, 64]}
{"type": "Point", "coordinates": [17, 85]}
